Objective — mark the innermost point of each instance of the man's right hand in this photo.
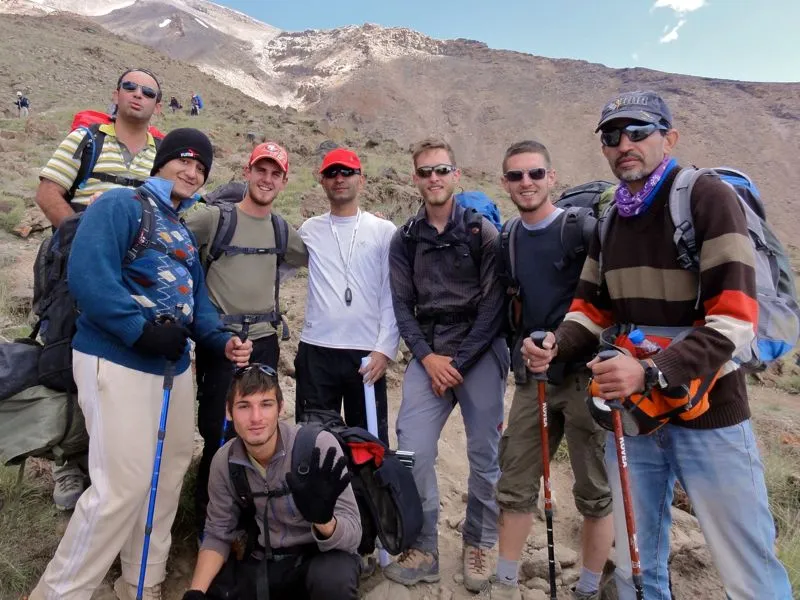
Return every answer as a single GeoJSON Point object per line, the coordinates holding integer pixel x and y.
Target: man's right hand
{"type": "Point", "coordinates": [538, 359]}
{"type": "Point", "coordinates": [441, 371]}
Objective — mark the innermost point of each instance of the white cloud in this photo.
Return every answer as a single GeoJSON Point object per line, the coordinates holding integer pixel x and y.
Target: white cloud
{"type": "Point", "coordinates": [680, 6]}
{"type": "Point", "coordinates": [672, 34]}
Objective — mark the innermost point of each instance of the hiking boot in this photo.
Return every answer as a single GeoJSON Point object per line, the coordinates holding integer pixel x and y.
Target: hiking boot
{"type": "Point", "coordinates": [127, 591]}
{"type": "Point", "coordinates": [414, 566]}
{"type": "Point", "coordinates": [500, 591]}
{"type": "Point", "coordinates": [476, 568]}
{"type": "Point", "coordinates": [70, 483]}
{"type": "Point", "coordinates": [576, 595]}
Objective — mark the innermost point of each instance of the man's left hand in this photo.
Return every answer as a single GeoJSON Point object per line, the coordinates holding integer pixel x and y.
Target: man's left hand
{"type": "Point", "coordinates": [617, 377]}
{"type": "Point", "coordinates": [238, 352]}
{"type": "Point", "coordinates": [378, 362]}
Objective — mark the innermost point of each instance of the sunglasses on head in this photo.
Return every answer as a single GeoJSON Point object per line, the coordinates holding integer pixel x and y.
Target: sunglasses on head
{"type": "Point", "coordinates": [517, 175]}
{"type": "Point", "coordinates": [335, 171]}
{"type": "Point", "coordinates": [440, 170]}
{"type": "Point", "coordinates": [635, 132]}
{"type": "Point", "coordinates": [265, 369]}
{"type": "Point", "coordinates": [131, 86]}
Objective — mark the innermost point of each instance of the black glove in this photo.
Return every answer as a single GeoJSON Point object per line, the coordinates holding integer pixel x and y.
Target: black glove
{"type": "Point", "coordinates": [315, 493]}
{"type": "Point", "coordinates": [194, 595]}
{"type": "Point", "coordinates": [167, 340]}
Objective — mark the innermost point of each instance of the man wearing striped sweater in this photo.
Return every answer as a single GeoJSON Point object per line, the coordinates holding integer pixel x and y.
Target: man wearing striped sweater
{"type": "Point", "coordinates": [714, 456]}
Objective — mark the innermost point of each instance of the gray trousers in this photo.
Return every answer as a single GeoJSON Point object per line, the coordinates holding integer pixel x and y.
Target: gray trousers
{"type": "Point", "coordinates": [419, 425]}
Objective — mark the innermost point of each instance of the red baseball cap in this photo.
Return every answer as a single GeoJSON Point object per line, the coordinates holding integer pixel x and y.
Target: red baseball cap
{"type": "Point", "coordinates": [272, 151]}
{"type": "Point", "coordinates": [340, 156]}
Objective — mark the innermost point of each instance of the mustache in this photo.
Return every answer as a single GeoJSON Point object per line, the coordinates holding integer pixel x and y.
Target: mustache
{"type": "Point", "coordinates": [629, 154]}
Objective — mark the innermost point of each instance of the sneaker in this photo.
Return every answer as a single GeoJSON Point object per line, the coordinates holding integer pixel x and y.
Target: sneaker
{"type": "Point", "coordinates": [476, 568]}
{"type": "Point", "coordinates": [576, 595]}
{"type": "Point", "coordinates": [127, 591]}
{"type": "Point", "coordinates": [70, 483]}
{"type": "Point", "coordinates": [414, 566]}
{"type": "Point", "coordinates": [500, 591]}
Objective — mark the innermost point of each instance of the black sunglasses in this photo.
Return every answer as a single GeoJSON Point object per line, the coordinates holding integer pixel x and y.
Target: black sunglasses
{"type": "Point", "coordinates": [130, 86]}
{"type": "Point", "coordinates": [440, 170]}
{"type": "Point", "coordinates": [265, 369]}
{"type": "Point", "coordinates": [635, 133]}
{"type": "Point", "coordinates": [335, 171]}
{"type": "Point", "coordinates": [517, 175]}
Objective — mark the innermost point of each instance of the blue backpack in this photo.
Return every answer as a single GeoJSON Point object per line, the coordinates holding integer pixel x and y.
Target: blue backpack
{"type": "Point", "coordinates": [483, 204]}
{"type": "Point", "coordinates": [199, 101]}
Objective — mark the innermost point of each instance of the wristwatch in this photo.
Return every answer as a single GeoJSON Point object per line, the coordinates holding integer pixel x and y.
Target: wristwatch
{"type": "Point", "coordinates": [653, 377]}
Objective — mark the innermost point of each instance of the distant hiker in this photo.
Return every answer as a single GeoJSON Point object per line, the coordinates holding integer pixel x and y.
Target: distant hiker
{"type": "Point", "coordinates": [636, 277]}
{"type": "Point", "coordinates": [545, 279]}
{"type": "Point", "coordinates": [197, 104]}
{"type": "Point", "coordinates": [309, 544]}
{"type": "Point", "coordinates": [23, 105]}
{"type": "Point", "coordinates": [449, 303]}
{"type": "Point", "coordinates": [121, 350]}
{"type": "Point", "coordinates": [242, 280]}
{"type": "Point", "coordinates": [125, 159]}
{"type": "Point", "coordinates": [174, 104]}
{"type": "Point", "coordinates": [349, 312]}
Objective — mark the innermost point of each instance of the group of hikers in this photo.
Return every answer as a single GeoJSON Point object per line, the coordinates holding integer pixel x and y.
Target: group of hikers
{"type": "Point", "coordinates": [196, 103]}
{"type": "Point", "coordinates": [437, 282]}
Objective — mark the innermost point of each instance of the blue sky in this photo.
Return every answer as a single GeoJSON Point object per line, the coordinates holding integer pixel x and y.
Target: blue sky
{"type": "Point", "coordinates": [756, 40]}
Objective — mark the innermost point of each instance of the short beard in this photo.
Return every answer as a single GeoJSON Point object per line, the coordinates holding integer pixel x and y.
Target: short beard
{"type": "Point", "coordinates": [530, 209]}
{"type": "Point", "coordinates": [631, 176]}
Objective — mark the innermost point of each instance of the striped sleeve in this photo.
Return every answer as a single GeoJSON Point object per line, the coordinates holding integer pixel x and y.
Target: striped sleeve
{"type": "Point", "coordinates": [727, 286]}
{"type": "Point", "coordinates": [62, 168]}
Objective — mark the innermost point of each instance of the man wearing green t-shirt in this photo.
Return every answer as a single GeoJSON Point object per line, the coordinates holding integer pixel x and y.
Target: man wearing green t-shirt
{"type": "Point", "coordinates": [241, 283]}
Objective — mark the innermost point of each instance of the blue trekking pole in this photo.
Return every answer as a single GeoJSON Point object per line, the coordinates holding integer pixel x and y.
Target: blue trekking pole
{"type": "Point", "coordinates": [242, 336]}
{"type": "Point", "coordinates": [169, 376]}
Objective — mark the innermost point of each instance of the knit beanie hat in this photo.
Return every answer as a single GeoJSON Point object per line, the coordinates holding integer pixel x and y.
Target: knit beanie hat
{"type": "Point", "coordinates": [184, 143]}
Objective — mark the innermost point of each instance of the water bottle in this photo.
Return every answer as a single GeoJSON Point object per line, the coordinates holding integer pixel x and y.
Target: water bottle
{"type": "Point", "coordinates": [644, 347]}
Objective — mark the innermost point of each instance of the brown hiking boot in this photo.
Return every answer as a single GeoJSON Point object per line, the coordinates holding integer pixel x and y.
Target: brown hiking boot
{"type": "Point", "coordinates": [476, 568]}
{"type": "Point", "coordinates": [412, 567]}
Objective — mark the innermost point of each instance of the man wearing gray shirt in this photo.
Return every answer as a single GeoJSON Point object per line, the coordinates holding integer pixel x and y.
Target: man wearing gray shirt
{"type": "Point", "coordinates": [448, 305]}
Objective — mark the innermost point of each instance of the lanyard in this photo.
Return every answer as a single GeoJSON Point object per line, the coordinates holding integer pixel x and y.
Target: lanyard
{"type": "Point", "coordinates": [348, 294]}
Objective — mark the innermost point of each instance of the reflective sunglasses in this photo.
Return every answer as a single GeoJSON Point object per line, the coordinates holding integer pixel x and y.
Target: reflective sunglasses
{"type": "Point", "coordinates": [635, 133]}
{"type": "Point", "coordinates": [516, 175]}
{"type": "Point", "coordinates": [147, 91]}
{"type": "Point", "coordinates": [335, 171]}
{"type": "Point", "coordinates": [265, 369]}
{"type": "Point", "coordinates": [440, 170]}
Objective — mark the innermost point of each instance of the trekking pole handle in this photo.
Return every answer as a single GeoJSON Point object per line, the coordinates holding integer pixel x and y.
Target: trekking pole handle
{"type": "Point", "coordinates": [537, 337]}
{"type": "Point", "coordinates": [167, 320]}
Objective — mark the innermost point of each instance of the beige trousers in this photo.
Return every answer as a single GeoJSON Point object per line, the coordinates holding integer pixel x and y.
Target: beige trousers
{"type": "Point", "coordinates": [122, 408]}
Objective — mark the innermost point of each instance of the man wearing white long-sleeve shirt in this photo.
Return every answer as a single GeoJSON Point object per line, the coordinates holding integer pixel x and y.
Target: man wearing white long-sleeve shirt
{"type": "Point", "coordinates": [349, 312]}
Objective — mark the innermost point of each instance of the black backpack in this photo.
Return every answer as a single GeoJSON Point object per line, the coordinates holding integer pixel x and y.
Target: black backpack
{"type": "Point", "coordinates": [225, 198]}
{"type": "Point", "coordinates": [387, 497]}
{"type": "Point", "coordinates": [54, 306]}
{"type": "Point", "coordinates": [471, 237]}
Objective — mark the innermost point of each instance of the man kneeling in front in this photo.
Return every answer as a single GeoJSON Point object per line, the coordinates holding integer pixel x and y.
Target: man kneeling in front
{"type": "Point", "coordinates": [313, 522]}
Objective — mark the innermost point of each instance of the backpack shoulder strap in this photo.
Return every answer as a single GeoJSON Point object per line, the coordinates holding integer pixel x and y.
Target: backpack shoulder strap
{"type": "Point", "coordinates": [226, 227]}
{"type": "Point", "coordinates": [304, 442]}
{"type": "Point", "coordinates": [143, 238]}
{"type": "Point", "coordinates": [244, 495]}
{"type": "Point", "coordinates": [680, 210]}
{"type": "Point", "coordinates": [577, 229]}
{"type": "Point", "coordinates": [281, 230]}
{"type": "Point", "coordinates": [88, 151]}
{"type": "Point", "coordinates": [507, 257]}
{"type": "Point", "coordinates": [410, 237]}
{"type": "Point", "coordinates": [473, 224]}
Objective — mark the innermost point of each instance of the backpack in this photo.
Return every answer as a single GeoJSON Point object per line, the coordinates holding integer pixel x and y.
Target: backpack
{"type": "Point", "coordinates": [41, 422]}
{"type": "Point", "coordinates": [54, 306]}
{"type": "Point", "coordinates": [778, 328]}
{"type": "Point", "coordinates": [24, 102]}
{"type": "Point", "coordinates": [89, 149]}
{"type": "Point", "coordinates": [225, 198]}
{"type": "Point", "coordinates": [199, 101]}
{"type": "Point", "coordinates": [409, 233]}
{"type": "Point", "coordinates": [483, 204]}
{"type": "Point", "coordinates": [19, 366]}
{"type": "Point", "coordinates": [387, 497]}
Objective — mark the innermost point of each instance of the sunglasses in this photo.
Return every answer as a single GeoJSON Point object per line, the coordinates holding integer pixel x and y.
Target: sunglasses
{"type": "Point", "coordinates": [147, 91]}
{"type": "Point", "coordinates": [440, 170]}
{"type": "Point", "coordinates": [517, 175]}
{"type": "Point", "coordinates": [635, 133]}
{"type": "Point", "coordinates": [265, 369]}
{"type": "Point", "coordinates": [333, 172]}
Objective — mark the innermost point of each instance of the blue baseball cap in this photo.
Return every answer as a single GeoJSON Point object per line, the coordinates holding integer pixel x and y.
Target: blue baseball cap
{"type": "Point", "coordinates": [645, 106]}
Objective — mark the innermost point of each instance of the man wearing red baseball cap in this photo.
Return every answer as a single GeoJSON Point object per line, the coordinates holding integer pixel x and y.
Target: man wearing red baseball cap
{"type": "Point", "coordinates": [349, 314]}
{"type": "Point", "coordinates": [242, 242]}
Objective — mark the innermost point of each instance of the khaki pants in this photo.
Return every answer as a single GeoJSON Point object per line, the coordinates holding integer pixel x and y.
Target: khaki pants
{"type": "Point", "coordinates": [122, 408]}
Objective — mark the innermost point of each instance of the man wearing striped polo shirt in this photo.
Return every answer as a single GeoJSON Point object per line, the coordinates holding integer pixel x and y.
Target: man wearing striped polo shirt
{"type": "Point", "coordinates": [126, 156]}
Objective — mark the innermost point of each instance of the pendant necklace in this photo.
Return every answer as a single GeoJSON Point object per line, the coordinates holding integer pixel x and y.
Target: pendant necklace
{"type": "Point", "coordinates": [348, 294]}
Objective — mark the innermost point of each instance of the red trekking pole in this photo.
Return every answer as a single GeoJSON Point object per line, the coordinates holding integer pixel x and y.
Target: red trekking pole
{"type": "Point", "coordinates": [537, 337]}
{"type": "Point", "coordinates": [625, 484]}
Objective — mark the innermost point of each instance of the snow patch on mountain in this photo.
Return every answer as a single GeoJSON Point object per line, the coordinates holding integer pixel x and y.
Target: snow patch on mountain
{"type": "Point", "coordinates": [164, 23]}
{"type": "Point", "coordinates": [201, 22]}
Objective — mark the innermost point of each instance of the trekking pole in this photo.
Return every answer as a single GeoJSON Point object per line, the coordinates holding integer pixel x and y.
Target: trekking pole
{"type": "Point", "coordinates": [243, 333]}
{"type": "Point", "coordinates": [625, 484]}
{"type": "Point", "coordinates": [537, 337]}
{"type": "Point", "coordinates": [169, 376]}
{"type": "Point", "coordinates": [372, 426]}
